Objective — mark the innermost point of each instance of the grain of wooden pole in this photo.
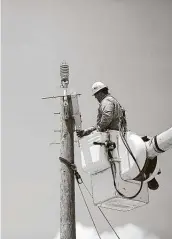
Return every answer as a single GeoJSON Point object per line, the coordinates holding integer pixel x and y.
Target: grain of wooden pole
{"type": "Point", "coordinates": [67, 184]}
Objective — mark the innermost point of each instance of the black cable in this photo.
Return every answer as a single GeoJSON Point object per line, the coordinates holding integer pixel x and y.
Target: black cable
{"type": "Point", "coordinates": [113, 165]}
{"type": "Point", "coordinates": [122, 130]}
{"type": "Point", "coordinates": [129, 149]}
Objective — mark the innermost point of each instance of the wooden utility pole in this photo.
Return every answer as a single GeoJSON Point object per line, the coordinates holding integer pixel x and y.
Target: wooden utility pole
{"type": "Point", "coordinates": [70, 117]}
{"type": "Point", "coordinates": [67, 184]}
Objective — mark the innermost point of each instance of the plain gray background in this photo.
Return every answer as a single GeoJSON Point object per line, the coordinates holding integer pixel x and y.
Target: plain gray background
{"type": "Point", "coordinates": [124, 43]}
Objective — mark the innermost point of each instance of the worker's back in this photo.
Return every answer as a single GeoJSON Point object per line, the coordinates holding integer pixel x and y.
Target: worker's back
{"type": "Point", "coordinates": [110, 112]}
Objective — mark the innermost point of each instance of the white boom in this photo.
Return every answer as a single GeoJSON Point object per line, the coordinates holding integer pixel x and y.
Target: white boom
{"type": "Point", "coordinates": [159, 144]}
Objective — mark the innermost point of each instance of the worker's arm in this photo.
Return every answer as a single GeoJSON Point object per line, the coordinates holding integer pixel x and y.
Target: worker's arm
{"type": "Point", "coordinates": [81, 133]}
{"type": "Point", "coordinates": [107, 109]}
{"type": "Point", "coordinates": [89, 130]}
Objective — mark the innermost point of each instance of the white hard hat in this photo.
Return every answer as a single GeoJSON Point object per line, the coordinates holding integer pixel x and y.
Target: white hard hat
{"type": "Point", "coordinates": [97, 86]}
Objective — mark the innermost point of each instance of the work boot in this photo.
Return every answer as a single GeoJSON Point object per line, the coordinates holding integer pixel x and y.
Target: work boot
{"type": "Point", "coordinates": [153, 184]}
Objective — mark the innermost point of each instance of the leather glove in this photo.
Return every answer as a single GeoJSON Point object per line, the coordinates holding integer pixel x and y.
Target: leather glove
{"type": "Point", "coordinates": [80, 133]}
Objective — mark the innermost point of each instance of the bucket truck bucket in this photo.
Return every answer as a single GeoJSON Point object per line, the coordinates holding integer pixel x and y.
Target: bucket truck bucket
{"type": "Point", "coordinates": [95, 161]}
{"type": "Point", "coordinates": [95, 157]}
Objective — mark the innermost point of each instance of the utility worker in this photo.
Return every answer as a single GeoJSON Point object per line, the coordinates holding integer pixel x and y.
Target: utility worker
{"type": "Point", "coordinates": [110, 116]}
{"type": "Point", "coordinates": [110, 113]}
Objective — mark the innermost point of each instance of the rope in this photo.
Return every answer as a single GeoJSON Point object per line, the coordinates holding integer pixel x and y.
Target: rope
{"type": "Point", "coordinates": [89, 211]}
{"type": "Point", "coordinates": [108, 222]}
{"type": "Point", "coordinates": [102, 212]}
{"type": "Point", "coordinates": [80, 181]}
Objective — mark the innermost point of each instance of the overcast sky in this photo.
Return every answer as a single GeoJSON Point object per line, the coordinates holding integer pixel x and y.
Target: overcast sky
{"type": "Point", "coordinates": [124, 43]}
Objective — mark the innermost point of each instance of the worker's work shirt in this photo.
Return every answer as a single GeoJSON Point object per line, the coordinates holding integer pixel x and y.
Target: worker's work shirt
{"type": "Point", "coordinates": [109, 113]}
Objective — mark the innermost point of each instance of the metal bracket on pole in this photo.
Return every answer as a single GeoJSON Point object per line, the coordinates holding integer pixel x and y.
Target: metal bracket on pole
{"type": "Point", "coordinates": [57, 130]}
{"type": "Point", "coordinates": [76, 112]}
{"type": "Point", "coordinates": [50, 97]}
{"type": "Point", "coordinates": [53, 143]}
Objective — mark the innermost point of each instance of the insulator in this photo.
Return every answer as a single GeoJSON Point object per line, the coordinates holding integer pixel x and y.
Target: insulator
{"type": "Point", "coordinates": [64, 70]}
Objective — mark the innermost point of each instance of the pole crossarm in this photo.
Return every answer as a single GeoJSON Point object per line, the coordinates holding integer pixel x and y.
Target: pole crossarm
{"type": "Point", "coordinates": [58, 96]}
